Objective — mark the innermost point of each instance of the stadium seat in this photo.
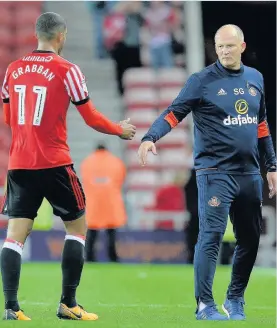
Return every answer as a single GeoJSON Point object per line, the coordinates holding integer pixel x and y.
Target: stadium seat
{"type": "Point", "coordinates": [25, 36]}
{"type": "Point", "coordinates": [27, 5]}
{"type": "Point", "coordinates": [4, 158]}
{"type": "Point", "coordinates": [171, 77]}
{"type": "Point", "coordinates": [137, 139]}
{"type": "Point", "coordinates": [142, 119]}
{"type": "Point", "coordinates": [3, 176]}
{"type": "Point", "coordinates": [176, 138]}
{"type": "Point", "coordinates": [140, 98]}
{"type": "Point", "coordinates": [5, 58]}
{"type": "Point", "coordinates": [139, 78]}
{"type": "Point", "coordinates": [166, 97]}
{"type": "Point", "coordinates": [6, 36]}
{"type": "Point", "coordinates": [6, 5]}
{"type": "Point", "coordinates": [139, 199]}
{"type": "Point", "coordinates": [26, 17]}
{"type": "Point", "coordinates": [6, 16]}
{"type": "Point", "coordinates": [143, 179]}
{"type": "Point", "coordinates": [175, 157]}
{"type": "Point", "coordinates": [132, 160]}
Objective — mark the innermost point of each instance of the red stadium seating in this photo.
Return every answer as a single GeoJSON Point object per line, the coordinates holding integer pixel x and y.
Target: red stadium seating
{"type": "Point", "coordinates": [140, 78]}
{"type": "Point", "coordinates": [17, 25]}
{"type": "Point", "coordinates": [171, 77]}
{"type": "Point", "coordinates": [147, 93]}
{"type": "Point", "coordinates": [6, 16]}
{"type": "Point", "coordinates": [166, 96]}
{"type": "Point", "coordinates": [25, 5]}
{"type": "Point", "coordinates": [6, 36]}
{"type": "Point", "coordinates": [6, 5]}
{"type": "Point", "coordinates": [141, 98]}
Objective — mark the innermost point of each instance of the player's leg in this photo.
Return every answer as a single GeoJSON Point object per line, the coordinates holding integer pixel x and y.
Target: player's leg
{"type": "Point", "coordinates": [215, 194]}
{"type": "Point", "coordinates": [22, 203]}
{"type": "Point", "coordinates": [112, 245]}
{"type": "Point", "coordinates": [246, 216]}
{"type": "Point", "coordinates": [65, 194]}
{"type": "Point", "coordinates": [90, 245]}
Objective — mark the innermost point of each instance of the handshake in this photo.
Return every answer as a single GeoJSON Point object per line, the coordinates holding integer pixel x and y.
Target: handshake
{"type": "Point", "coordinates": [129, 130]}
{"type": "Point", "coordinates": [128, 133]}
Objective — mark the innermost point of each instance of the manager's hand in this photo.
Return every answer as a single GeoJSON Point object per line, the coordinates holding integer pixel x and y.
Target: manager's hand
{"type": "Point", "coordinates": [272, 183]}
{"type": "Point", "coordinates": [144, 148]}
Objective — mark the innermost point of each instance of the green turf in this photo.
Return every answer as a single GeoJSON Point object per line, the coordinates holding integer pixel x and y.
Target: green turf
{"type": "Point", "coordinates": [148, 296]}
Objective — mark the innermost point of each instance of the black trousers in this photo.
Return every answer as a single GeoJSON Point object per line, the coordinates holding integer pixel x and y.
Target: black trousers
{"type": "Point", "coordinates": [91, 242]}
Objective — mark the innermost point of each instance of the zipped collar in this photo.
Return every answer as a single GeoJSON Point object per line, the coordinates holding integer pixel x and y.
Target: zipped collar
{"type": "Point", "coordinates": [230, 72]}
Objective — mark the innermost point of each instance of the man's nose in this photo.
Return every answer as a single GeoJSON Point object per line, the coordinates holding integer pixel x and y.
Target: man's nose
{"type": "Point", "coordinates": [225, 50]}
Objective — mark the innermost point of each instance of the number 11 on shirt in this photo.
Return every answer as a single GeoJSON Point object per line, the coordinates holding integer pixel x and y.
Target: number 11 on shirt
{"type": "Point", "coordinates": [41, 97]}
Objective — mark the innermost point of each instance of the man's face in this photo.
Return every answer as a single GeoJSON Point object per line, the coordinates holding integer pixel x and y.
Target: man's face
{"type": "Point", "coordinates": [229, 49]}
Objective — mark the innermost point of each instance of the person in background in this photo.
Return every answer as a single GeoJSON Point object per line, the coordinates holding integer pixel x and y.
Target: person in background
{"type": "Point", "coordinates": [170, 197]}
{"type": "Point", "coordinates": [99, 10]}
{"type": "Point", "coordinates": [122, 37]}
{"type": "Point", "coordinates": [103, 175]}
{"type": "Point", "coordinates": [159, 19]}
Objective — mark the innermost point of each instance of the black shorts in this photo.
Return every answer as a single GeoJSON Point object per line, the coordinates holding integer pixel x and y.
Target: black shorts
{"type": "Point", "coordinates": [59, 185]}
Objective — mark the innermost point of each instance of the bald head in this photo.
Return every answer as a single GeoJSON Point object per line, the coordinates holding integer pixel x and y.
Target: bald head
{"type": "Point", "coordinates": [229, 30]}
{"type": "Point", "coordinates": [229, 45]}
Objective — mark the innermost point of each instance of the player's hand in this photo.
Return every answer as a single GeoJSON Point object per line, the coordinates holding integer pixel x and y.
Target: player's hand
{"type": "Point", "coordinates": [144, 148]}
{"type": "Point", "coordinates": [272, 183]}
{"type": "Point", "coordinates": [129, 130]}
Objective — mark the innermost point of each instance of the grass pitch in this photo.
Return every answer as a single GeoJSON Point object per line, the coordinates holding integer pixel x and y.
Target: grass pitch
{"type": "Point", "coordinates": [136, 296]}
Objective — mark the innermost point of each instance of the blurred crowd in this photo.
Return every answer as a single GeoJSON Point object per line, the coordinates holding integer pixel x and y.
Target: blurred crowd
{"type": "Point", "coordinates": [138, 33]}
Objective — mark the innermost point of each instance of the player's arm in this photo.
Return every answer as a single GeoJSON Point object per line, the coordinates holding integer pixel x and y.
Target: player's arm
{"type": "Point", "coordinates": [6, 98]}
{"type": "Point", "coordinates": [96, 120]}
{"type": "Point", "coordinates": [265, 141]}
{"type": "Point", "coordinates": [266, 149]}
{"type": "Point", "coordinates": [188, 99]}
{"type": "Point", "coordinates": [77, 90]}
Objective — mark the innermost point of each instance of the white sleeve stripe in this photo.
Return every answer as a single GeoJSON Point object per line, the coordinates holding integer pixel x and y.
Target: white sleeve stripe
{"type": "Point", "coordinates": [72, 87]}
{"type": "Point", "coordinates": [4, 87]}
{"type": "Point", "coordinates": [77, 80]}
{"type": "Point", "coordinates": [5, 93]}
{"type": "Point", "coordinates": [79, 72]}
{"type": "Point", "coordinates": [67, 88]}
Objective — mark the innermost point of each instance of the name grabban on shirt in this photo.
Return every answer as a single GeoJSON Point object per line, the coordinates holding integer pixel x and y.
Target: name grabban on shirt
{"type": "Point", "coordinates": [34, 68]}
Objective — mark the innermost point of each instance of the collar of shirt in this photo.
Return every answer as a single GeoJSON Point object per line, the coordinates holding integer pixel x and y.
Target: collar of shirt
{"type": "Point", "coordinates": [43, 51]}
{"type": "Point", "coordinates": [232, 72]}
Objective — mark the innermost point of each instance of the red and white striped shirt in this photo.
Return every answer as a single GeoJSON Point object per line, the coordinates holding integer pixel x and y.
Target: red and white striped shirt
{"type": "Point", "coordinates": [39, 88]}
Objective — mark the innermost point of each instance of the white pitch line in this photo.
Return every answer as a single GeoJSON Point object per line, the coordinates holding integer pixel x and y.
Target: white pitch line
{"type": "Point", "coordinates": [135, 305]}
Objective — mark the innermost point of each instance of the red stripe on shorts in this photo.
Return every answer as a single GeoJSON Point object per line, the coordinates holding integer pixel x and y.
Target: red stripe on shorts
{"type": "Point", "coordinates": [76, 188]}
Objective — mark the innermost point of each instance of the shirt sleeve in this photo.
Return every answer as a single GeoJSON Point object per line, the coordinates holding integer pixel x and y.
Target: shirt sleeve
{"type": "Point", "coordinates": [5, 88]}
{"type": "Point", "coordinates": [76, 87]}
{"type": "Point", "coordinates": [263, 130]}
{"type": "Point", "coordinates": [187, 101]}
{"type": "Point", "coordinates": [265, 143]}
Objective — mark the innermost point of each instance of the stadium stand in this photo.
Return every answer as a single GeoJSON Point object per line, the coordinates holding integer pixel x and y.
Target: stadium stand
{"type": "Point", "coordinates": [147, 93]}
{"type": "Point", "coordinates": [16, 38]}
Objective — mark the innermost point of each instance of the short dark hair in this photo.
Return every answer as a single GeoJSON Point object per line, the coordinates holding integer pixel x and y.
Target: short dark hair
{"type": "Point", "coordinates": [101, 147]}
{"type": "Point", "coordinates": [48, 25]}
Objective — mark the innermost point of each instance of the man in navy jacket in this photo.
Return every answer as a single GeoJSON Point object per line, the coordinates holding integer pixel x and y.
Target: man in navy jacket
{"type": "Point", "coordinates": [227, 102]}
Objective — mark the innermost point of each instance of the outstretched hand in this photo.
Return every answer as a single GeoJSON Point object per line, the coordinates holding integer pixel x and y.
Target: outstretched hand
{"type": "Point", "coordinates": [129, 130]}
{"type": "Point", "coordinates": [144, 148]}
